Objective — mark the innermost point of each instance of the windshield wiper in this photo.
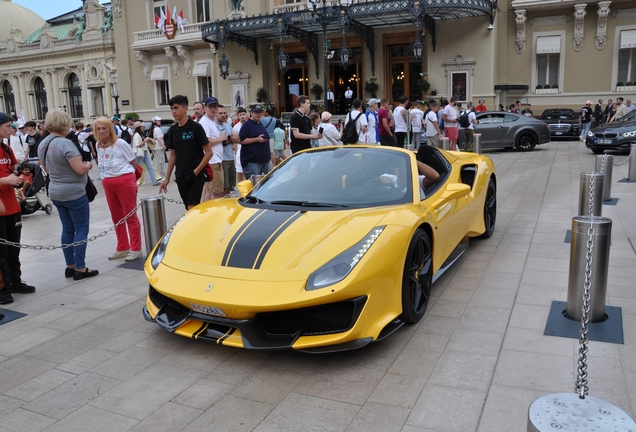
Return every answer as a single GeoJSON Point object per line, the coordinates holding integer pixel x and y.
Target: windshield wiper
{"type": "Point", "coordinates": [306, 203]}
{"type": "Point", "coordinates": [252, 199]}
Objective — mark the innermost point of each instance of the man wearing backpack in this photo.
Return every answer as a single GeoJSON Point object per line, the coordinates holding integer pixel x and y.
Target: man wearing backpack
{"type": "Point", "coordinates": [467, 121]}
{"type": "Point", "coordinates": [125, 131]}
{"type": "Point", "coordinates": [358, 121]}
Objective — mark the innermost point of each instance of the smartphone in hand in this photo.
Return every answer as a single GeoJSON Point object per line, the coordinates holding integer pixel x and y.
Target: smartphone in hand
{"type": "Point", "coordinates": [320, 130]}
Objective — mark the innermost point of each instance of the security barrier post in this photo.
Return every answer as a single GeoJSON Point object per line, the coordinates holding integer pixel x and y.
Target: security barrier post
{"type": "Point", "coordinates": [597, 194]}
{"type": "Point", "coordinates": [445, 143]}
{"type": "Point", "coordinates": [631, 172]}
{"type": "Point", "coordinates": [153, 213]}
{"type": "Point", "coordinates": [477, 143]}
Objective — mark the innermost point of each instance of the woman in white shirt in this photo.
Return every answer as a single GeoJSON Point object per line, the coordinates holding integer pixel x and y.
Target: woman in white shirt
{"type": "Point", "coordinates": [330, 134]}
{"type": "Point", "coordinates": [117, 163]}
{"type": "Point", "coordinates": [141, 153]}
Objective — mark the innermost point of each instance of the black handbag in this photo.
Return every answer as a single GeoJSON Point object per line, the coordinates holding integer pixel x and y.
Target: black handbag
{"type": "Point", "coordinates": [91, 190]}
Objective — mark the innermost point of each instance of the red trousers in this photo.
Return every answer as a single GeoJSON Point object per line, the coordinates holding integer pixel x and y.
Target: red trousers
{"type": "Point", "coordinates": [121, 196]}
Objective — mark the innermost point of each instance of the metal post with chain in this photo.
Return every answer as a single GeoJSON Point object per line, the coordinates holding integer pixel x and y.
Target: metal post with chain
{"type": "Point", "coordinates": [625, 161]}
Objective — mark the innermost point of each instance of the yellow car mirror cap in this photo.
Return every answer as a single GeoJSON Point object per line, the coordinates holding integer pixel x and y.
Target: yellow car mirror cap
{"type": "Point", "coordinates": [453, 191]}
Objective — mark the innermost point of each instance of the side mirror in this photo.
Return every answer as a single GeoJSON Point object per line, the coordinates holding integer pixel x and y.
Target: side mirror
{"type": "Point", "coordinates": [244, 187]}
{"type": "Point", "coordinates": [453, 191]}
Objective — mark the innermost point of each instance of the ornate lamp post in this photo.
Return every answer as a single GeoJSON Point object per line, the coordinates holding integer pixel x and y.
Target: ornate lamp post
{"type": "Point", "coordinates": [417, 47]}
{"type": "Point", "coordinates": [224, 63]}
{"type": "Point", "coordinates": [115, 95]}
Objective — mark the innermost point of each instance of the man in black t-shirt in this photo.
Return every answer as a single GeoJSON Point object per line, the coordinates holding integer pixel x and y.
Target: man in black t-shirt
{"type": "Point", "coordinates": [255, 150]}
{"type": "Point", "coordinates": [585, 120]}
{"type": "Point", "coordinates": [190, 153]}
{"type": "Point", "coordinates": [33, 139]}
{"type": "Point", "coordinates": [301, 126]}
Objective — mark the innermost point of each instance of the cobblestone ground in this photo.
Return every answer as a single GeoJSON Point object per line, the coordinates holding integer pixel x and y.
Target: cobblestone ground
{"type": "Point", "coordinates": [84, 359]}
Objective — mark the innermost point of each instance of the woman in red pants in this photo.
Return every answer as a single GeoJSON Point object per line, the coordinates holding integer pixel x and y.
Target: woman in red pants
{"type": "Point", "coordinates": [117, 164]}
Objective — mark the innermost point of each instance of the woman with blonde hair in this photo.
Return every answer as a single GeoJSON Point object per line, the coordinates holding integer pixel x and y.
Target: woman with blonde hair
{"type": "Point", "coordinates": [62, 160]}
{"type": "Point", "coordinates": [117, 165]}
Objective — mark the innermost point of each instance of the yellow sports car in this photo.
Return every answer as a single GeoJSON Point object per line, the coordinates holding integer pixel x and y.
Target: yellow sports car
{"type": "Point", "coordinates": [335, 248]}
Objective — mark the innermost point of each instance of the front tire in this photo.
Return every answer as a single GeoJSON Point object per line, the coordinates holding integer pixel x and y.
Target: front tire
{"type": "Point", "coordinates": [597, 150]}
{"type": "Point", "coordinates": [490, 209]}
{"type": "Point", "coordinates": [526, 141]}
{"type": "Point", "coordinates": [417, 278]}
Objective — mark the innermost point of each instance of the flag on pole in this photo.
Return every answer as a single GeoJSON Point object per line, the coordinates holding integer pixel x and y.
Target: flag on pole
{"type": "Point", "coordinates": [21, 117]}
{"type": "Point", "coordinates": [161, 21]}
{"type": "Point", "coordinates": [181, 21]}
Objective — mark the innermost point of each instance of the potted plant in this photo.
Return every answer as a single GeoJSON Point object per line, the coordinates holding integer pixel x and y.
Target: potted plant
{"type": "Point", "coordinates": [261, 95]}
{"type": "Point", "coordinates": [629, 84]}
{"type": "Point", "coordinates": [316, 90]}
{"type": "Point", "coordinates": [620, 84]}
{"type": "Point", "coordinates": [555, 86]}
{"type": "Point", "coordinates": [433, 92]}
{"type": "Point", "coordinates": [539, 87]}
{"type": "Point", "coordinates": [423, 84]}
{"type": "Point", "coordinates": [132, 115]}
{"type": "Point", "coordinates": [371, 87]}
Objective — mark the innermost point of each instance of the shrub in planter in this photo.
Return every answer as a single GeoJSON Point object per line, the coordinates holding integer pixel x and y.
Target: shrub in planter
{"type": "Point", "coordinates": [371, 87]}
{"type": "Point", "coordinates": [539, 87]}
{"type": "Point", "coordinates": [629, 83]}
{"type": "Point", "coordinates": [316, 90]}
{"type": "Point", "coordinates": [423, 84]}
{"type": "Point", "coordinates": [555, 86]}
{"type": "Point", "coordinates": [261, 95]}
{"type": "Point", "coordinates": [620, 84]}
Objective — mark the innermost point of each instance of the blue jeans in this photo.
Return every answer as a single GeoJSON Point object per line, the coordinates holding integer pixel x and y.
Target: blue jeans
{"type": "Point", "coordinates": [148, 162]}
{"type": "Point", "coordinates": [74, 215]}
{"type": "Point", "coordinates": [253, 168]}
{"type": "Point", "coordinates": [585, 129]}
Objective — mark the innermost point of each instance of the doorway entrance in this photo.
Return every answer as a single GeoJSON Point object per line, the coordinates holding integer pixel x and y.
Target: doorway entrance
{"type": "Point", "coordinates": [294, 82]}
{"type": "Point", "coordinates": [403, 71]}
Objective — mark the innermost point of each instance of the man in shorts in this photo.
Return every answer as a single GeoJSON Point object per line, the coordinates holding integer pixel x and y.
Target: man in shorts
{"type": "Point", "coordinates": [190, 153]}
{"type": "Point", "coordinates": [449, 115]}
{"type": "Point", "coordinates": [213, 189]}
{"type": "Point", "coordinates": [229, 168]}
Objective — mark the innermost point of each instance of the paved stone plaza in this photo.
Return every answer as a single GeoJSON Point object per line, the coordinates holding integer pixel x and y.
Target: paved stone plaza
{"type": "Point", "coordinates": [84, 359]}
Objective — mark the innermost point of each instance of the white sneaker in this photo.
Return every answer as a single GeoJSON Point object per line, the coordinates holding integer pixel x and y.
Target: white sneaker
{"type": "Point", "coordinates": [119, 254]}
{"type": "Point", "coordinates": [134, 255]}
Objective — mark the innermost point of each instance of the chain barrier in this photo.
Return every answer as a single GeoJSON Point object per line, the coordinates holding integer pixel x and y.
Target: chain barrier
{"type": "Point", "coordinates": [173, 200]}
{"type": "Point", "coordinates": [581, 380]}
{"type": "Point", "coordinates": [624, 162]}
{"type": "Point", "coordinates": [602, 170]}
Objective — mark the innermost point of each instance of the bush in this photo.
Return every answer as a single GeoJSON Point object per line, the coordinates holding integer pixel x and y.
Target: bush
{"type": "Point", "coordinates": [620, 84]}
{"type": "Point", "coordinates": [539, 87]}
{"type": "Point", "coordinates": [555, 86]}
{"type": "Point", "coordinates": [316, 90]}
{"type": "Point", "coordinates": [629, 84]}
{"type": "Point", "coordinates": [423, 84]}
{"type": "Point", "coordinates": [371, 87]}
{"type": "Point", "coordinates": [261, 95]}
{"type": "Point", "coordinates": [132, 115]}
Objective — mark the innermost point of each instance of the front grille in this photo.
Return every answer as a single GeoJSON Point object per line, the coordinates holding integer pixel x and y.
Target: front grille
{"type": "Point", "coordinates": [606, 135]}
{"type": "Point", "coordinates": [316, 320]}
{"type": "Point", "coordinates": [560, 127]}
{"type": "Point", "coordinates": [174, 310]}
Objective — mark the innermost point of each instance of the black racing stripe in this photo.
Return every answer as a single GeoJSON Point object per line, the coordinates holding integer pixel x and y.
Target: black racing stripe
{"type": "Point", "coordinates": [226, 335]}
{"type": "Point", "coordinates": [201, 330]}
{"type": "Point", "coordinates": [236, 236]}
{"type": "Point", "coordinates": [249, 244]}
{"type": "Point", "coordinates": [273, 238]}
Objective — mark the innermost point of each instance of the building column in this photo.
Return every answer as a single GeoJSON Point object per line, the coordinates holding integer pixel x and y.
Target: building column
{"type": "Point", "coordinates": [89, 112]}
{"type": "Point", "coordinates": [56, 89]}
{"type": "Point", "coordinates": [48, 83]}
{"type": "Point", "coordinates": [23, 97]}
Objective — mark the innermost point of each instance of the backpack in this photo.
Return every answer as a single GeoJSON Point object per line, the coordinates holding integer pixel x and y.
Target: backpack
{"type": "Point", "coordinates": [125, 135]}
{"type": "Point", "coordinates": [350, 133]}
{"type": "Point", "coordinates": [463, 119]}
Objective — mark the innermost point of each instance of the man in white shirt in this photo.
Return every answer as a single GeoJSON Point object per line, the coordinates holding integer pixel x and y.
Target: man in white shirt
{"type": "Point", "coordinates": [214, 188]}
{"type": "Point", "coordinates": [400, 116]}
{"type": "Point", "coordinates": [159, 152]}
{"type": "Point", "coordinates": [330, 134]}
{"type": "Point", "coordinates": [432, 128]}
{"type": "Point", "coordinates": [470, 130]}
{"type": "Point", "coordinates": [417, 116]}
{"type": "Point", "coordinates": [630, 107]}
{"type": "Point", "coordinates": [621, 109]}
{"type": "Point", "coordinates": [241, 115]}
{"type": "Point", "coordinates": [199, 111]}
{"type": "Point", "coordinates": [330, 100]}
{"type": "Point", "coordinates": [372, 122]}
{"type": "Point", "coordinates": [450, 122]}
{"type": "Point", "coordinates": [348, 98]}
{"type": "Point", "coordinates": [115, 121]}
{"type": "Point", "coordinates": [361, 122]}
{"type": "Point", "coordinates": [18, 145]}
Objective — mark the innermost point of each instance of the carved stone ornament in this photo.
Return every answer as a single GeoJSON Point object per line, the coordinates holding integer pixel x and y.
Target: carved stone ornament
{"type": "Point", "coordinates": [171, 53]}
{"type": "Point", "coordinates": [47, 36]}
{"type": "Point", "coordinates": [459, 63]}
{"type": "Point", "coordinates": [579, 18]}
{"type": "Point", "coordinates": [117, 8]}
{"type": "Point", "coordinates": [142, 56]}
{"type": "Point", "coordinates": [521, 31]}
{"type": "Point", "coordinates": [184, 53]}
{"type": "Point", "coordinates": [213, 49]}
{"type": "Point", "coordinates": [601, 24]}
{"type": "Point", "coordinates": [112, 73]}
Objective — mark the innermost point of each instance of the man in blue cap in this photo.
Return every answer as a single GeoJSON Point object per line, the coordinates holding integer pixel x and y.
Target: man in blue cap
{"type": "Point", "coordinates": [10, 221]}
{"type": "Point", "coordinates": [254, 139]}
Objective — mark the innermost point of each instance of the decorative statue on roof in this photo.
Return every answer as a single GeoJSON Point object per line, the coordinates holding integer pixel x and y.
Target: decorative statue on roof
{"type": "Point", "coordinates": [80, 24]}
{"type": "Point", "coordinates": [108, 22]}
{"type": "Point", "coordinates": [237, 5]}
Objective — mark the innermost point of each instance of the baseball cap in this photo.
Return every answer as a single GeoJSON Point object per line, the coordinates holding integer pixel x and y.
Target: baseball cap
{"type": "Point", "coordinates": [482, 100]}
{"type": "Point", "coordinates": [20, 125]}
{"type": "Point", "coordinates": [589, 102]}
{"type": "Point", "coordinates": [4, 118]}
{"type": "Point", "coordinates": [115, 118]}
{"type": "Point", "coordinates": [373, 101]}
{"type": "Point", "coordinates": [257, 107]}
{"type": "Point", "coordinates": [156, 118]}
{"type": "Point", "coordinates": [211, 100]}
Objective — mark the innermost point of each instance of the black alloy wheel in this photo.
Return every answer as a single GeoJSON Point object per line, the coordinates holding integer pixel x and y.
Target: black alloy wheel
{"type": "Point", "coordinates": [526, 141]}
{"type": "Point", "coordinates": [490, 209]}
{"type": "Point", "coordinates": [418, 278]}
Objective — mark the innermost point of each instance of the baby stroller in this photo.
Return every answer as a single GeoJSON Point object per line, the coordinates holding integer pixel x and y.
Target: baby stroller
{"type": "Point", "coordinates": [36, 193]}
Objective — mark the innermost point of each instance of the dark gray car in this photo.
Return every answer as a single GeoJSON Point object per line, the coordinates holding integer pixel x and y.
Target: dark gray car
{"type": "Point", "coordinates": [617, 135]}
{"type": "Point", "coordinates": [501, 129]}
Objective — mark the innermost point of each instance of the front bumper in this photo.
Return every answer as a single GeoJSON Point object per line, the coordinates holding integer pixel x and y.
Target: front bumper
{"type": "Point", "coordinates": [270, 330]}
{"type": "Point", "coordinates": [614, 143]}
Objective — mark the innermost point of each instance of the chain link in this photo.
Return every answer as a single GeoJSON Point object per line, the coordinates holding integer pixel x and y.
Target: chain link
{"type": "Point", "coordinates": [602, 171]}
{"type": "Point", "coordinates": [624, 162]}
{"type": "Point", "coordinates": [173, 200]}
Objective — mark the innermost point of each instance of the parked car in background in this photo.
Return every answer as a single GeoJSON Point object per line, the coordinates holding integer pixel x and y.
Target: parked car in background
{"type": "Point", "coordinates": [165, 125]}
{"type": "Point", "coordinates": [563, 122]}
{"type": "Point", "coordinates": [617, 135]}
{"type": "Point", "coordinates": [501, 129]}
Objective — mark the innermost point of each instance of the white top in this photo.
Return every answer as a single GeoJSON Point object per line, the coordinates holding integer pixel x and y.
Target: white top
{"type": "Point", "coordinates": [211, 131]}
{"type": "Point", "coordinates": [451, 114]}
{"type": "Point", "coordinates": [371, 129]}
{"type": "Point", "coordinates": [472, 119]}
{"type": "Point", "coordinates": [114, 161]}
{"type": "Point", "coordinates": [630, 108]}
{"type": "Point", "coordinates": [399, 119]}
{"type": "Point", "coordinates": [430, 119]}
{"type": "Point", "coordinates": [137, 141]}
{"type": "Point", "coordinates": [416, 119]}
{"type": "Point", "coordinates": [330, 95]}
{"type": "Point", "coordinates": [362, 121]}
{"type": "Point", "coordinates": [19, 146]}
{"type": "Point", "coordinates": [330, 135]}
{"type": "Point", "coordinates": [157, 134]}
{"type": "Point", "coordinates": [349, 94]}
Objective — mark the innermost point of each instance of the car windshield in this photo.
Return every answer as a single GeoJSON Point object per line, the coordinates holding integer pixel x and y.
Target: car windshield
{"type": "Point", "coordinates": [631, 116]}
{"type": "Point", "coordinates": [559, 115]}
{"type": "Point", "coordinates": [338, 177]}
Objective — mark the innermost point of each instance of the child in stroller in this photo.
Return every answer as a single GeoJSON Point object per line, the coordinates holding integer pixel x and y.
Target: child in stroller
{"type": "Point", "coordinates": [30, 193]}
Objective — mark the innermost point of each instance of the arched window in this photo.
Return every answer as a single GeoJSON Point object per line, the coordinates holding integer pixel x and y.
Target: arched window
{"type": "Point", "coordinates": [40, 98]}
{"type": "Point", "coordinates": [75, 93]}
{"type": "Point", "coordinates": [9, 98]}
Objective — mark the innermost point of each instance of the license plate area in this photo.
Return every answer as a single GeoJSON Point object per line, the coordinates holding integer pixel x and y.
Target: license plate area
{"type": "Point", "coordinates": [558, 133]}
{"type": "Point", "coordinates": [208, 310]}
{"type": "Point", "coordinates": [603, 141]}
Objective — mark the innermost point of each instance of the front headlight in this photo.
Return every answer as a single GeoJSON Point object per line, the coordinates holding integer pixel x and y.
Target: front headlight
{"type": "Point", "coordinates": [590, 134]}
{"type": "Point", "coordinates": [338, 268]}
{"type": "Point", "coordinates": [160, 250]}
{"type": "Point", "coordinates": [629, 134]}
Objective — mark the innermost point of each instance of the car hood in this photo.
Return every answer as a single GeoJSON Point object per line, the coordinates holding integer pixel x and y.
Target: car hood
{"type": "Point", "coordinates": [223, 238]}
{"type": "Point", "coordinates": [617, 127]}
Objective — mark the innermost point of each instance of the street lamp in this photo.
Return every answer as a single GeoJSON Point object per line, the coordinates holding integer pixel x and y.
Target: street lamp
{"type": "Point", "coordinates": [417, 47]}
{"type": "Point", "coordinates": [115, 94]}
{"type": "Point", "coordinates": [224, 63]}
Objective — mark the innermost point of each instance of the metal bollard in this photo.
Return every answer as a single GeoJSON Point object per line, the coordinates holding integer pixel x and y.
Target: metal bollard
{"type": "Point", "coordinates": [153, 213]}
{"type": "Point", "coordinates": [256, 178]}
{"type": "Point", "coordinates": [600, 262]}
{"type": "Point", "coordinates": [445, 143]}
{"type": "Point", "coordinates": [410, 147]}
{"type": "Point", "coordinates": [631, 172]}
{"type": "Point", "coordinates": [477, 143]}
{"type": "Point", "coordinates": [608, 168]}
{"type": "Point", "coordinates": [584, 194]}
